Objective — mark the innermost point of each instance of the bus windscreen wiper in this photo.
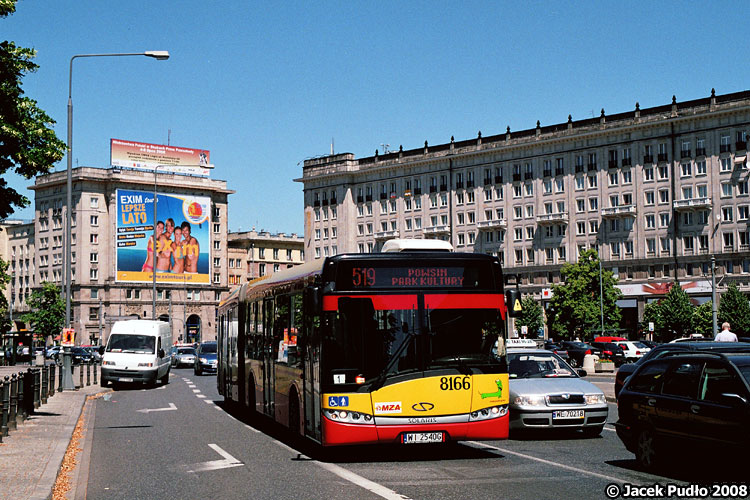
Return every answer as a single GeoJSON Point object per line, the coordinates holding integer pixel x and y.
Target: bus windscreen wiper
{"type": "Point", "coordinates": [378, 382]}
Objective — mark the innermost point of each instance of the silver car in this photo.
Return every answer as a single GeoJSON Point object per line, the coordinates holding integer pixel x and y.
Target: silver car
{"type": "Point", "coordinates": [546, 393]}
{"type": "Point", "coordinates": [183, 356]}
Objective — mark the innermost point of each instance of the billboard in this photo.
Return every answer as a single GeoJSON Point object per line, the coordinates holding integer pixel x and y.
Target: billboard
{"type": "Point", "coordinates": [183, 251]}
{"type": "Point", "coordinates": [143, 156]}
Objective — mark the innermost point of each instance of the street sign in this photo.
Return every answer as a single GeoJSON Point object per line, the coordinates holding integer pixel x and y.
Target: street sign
{"type": "Point", "coordinates": [68, 337]}
{"type": "Point", "coordinates": [650, 326]}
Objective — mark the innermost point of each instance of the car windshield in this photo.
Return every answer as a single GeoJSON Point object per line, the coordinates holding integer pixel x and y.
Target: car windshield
{"type": "Point", "coordinates": [208, 348]}
{"type": "Point", "coordinates": [537, 365]}
{"type": "Point", "coordinates": [640, 345]}
{"type": "Point", "coordinates": [186, 350]}
{"type": "Point", "coordinates": [119, 342]}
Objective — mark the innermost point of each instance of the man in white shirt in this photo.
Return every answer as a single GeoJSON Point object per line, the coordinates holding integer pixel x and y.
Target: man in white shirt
{"type": "Point", "coordinates": [725, 335]}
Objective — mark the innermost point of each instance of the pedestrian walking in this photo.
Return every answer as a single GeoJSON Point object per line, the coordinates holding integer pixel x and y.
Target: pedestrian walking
{"type": "Point", "coordinates": [725, 335]}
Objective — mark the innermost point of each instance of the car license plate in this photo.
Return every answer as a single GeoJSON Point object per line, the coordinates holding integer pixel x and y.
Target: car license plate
{"type": "Point", "coordinates": [422, 437]}
{"type": "Point", "coordinates": [125, 379]}
{"type": "Point", "coordinates": [567, 414]}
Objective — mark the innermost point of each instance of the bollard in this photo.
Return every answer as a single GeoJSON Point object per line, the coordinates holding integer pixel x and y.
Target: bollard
{"type": "Point", "coordinates": [5, 386]}
{"type": "Point", "coordinates": [51, 380]}
{"type": "Point", "coordinates": [45, 381]}
{"type": "Point", "coordinates": [37, 377]}
{"type": "Point", "coordinates": [96, 365]}
{"type": "Point", "coordinates": [13, 402]}
{"type": "Point", "coordinates": [80, 374]}
{"type": "Point", "coordinates": [21, 411]}
{"type": "Point", "coordinates": [60, 385]}
{"type": "Point", "coordinates": [88, 372]}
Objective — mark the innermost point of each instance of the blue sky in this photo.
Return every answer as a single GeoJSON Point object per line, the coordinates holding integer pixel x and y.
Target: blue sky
{"type": "Point", "coordinates": [265, 85]}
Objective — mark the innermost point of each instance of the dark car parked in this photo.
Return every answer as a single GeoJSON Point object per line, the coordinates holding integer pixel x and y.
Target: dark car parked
{"type": "Point", "coordinates": [557, 349]}
{"type": "Point", "coordinates": [611, 351]}
{"type": "Point", "coordinates": [205, 358]}
{"type": "Point", "coordinates": [682, 347]}
{"type": "Point", "coordinates": [686, 404]}
{"type": "Point", "coordinates": [80, 355]}
{"type": "Point", "coordinates": [577, 350]}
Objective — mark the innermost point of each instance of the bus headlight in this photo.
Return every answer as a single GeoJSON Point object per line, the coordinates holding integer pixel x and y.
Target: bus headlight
{"type": "Point", "coordinates": [488, 413]}
{"type": "Point", "coordinates": [348, 417]}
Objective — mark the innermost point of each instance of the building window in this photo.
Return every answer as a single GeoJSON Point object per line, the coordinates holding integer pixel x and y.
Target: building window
{"type": "Point", "coordinates": [94, 202]}
{"type": "Point", "coordinates": [217, 262]}
{"type": "Point", "coordinates": [94, 274]}
{"type": "Point", "coordinates": [217, 245]}
{"type": "Point", "coordinates": [94, 220]}
{"type": "Point", "coordinates": [94, 238]}
{"type": "Point", "coordinates": [93, 257]}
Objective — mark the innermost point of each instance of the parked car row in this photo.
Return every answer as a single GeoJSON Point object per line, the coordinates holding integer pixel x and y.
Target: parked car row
{"type": "Point", "coordinates": [685, 399]}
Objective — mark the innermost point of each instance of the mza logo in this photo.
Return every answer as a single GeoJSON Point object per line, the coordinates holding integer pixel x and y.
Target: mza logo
{"type": "Point", "coordinates": [393, 407]}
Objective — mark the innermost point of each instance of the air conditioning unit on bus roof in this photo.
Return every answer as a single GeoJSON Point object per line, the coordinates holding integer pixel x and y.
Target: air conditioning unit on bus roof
{"type": "Point", "coordinates": [415, 245]}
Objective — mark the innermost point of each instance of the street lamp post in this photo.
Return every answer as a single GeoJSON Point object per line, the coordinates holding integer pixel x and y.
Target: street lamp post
{"type": "Point", "coordinates": [156, 54]}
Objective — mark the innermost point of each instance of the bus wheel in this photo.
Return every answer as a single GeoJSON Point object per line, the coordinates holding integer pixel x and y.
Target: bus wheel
{"type": "Point", "coordinates": [294, 414]}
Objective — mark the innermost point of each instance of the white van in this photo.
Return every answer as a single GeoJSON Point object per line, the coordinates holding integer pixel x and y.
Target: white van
{"type": "Point", "coordinates": [137, 351]}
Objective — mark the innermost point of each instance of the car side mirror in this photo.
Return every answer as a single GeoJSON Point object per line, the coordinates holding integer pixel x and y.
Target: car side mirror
{"type": "Point", "coordinates": [581, 372]}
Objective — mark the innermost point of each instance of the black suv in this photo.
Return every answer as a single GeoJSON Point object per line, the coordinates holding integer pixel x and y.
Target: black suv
{"type": "Point", "coordinates": [686, 404]}
{"type": "Point", "coordinates": [578, 350]}
{"type": "Point", "coordinates": [611, 351]}
{"type": "Point", "coordinates": [683, 347]}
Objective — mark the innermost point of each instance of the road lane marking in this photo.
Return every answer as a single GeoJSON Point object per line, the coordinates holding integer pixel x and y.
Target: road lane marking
{"type": "Point", "coordinates": [208, 401]}
{"type": "Point", "coordinates": [200, 396]}
{"type": "Point", "coordinates": [149, 410]}
{"type": "Point", "coordinates": [227, 462]}
{"type": "Point", "coordinates": [196, 390]}
{"type": "Point", "coordinates": [476, 444]}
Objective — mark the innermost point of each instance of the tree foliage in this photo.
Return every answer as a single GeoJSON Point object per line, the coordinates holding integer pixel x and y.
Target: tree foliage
{"type": "Point", "coordinates": [531, 316]}
{"type": "Point", "coordinates": [5, 324]}
{"type": "Point", "coordinates": [47, 315]}
{"type": "Point", "coordinates": [27, 143]}
{"type": "Point", "coordinates": [652, 314]}
{"type": "Point", "coordinates": [703, 319]}
{"type": "Point", "coordinates": [575, 306]}
{"type": "Point", "coordinates": [735, 309]}
{"type": "Point", "coordinates": [677, 312]}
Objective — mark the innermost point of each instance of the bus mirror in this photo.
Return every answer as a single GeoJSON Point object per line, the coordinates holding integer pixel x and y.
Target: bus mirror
{"type": "Point", "coordinates": [311, 299]}
{"type": "Point", "coordinates": [513, 302]}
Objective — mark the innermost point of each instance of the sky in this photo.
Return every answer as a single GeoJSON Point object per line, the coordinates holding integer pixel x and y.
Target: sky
{"type": "Point", "coordinates": [266, 85]}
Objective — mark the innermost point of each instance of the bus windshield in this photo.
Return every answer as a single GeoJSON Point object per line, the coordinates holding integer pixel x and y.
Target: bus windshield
{"type": "Point", "coordinates": [379, 344]}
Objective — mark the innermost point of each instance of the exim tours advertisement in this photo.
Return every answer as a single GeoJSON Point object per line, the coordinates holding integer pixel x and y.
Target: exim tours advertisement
{"type": "Point", "coordinates": [183, 250]}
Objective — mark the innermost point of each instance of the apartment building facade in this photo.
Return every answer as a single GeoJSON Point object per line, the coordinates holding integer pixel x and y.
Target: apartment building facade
{"type": "Point", "coordinates": [657, 191]}
{"type": "Point", "coordinates": [17, 249]}
{"type": "Point", "coordinates": [98, 297]}
{"type": "Point", "coordinates": [253, 254]}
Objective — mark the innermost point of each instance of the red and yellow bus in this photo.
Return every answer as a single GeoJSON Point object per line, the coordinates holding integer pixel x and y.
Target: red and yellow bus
{"type": "Point", "coordinates": [370, 348]}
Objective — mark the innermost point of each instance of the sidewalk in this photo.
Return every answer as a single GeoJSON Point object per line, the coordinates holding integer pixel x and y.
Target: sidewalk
{"type": "Point", "coordinates": [31, 455]}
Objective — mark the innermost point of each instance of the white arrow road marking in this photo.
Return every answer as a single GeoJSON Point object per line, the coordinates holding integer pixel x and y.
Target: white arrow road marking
{"type": "Point", "coordinates": [227, 462]}
{"type": "Point", "coordinates": [148, 410]}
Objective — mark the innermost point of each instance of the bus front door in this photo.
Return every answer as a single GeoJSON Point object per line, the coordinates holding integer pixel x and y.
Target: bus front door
{"type": "Point", "coordinates": [269, 358]}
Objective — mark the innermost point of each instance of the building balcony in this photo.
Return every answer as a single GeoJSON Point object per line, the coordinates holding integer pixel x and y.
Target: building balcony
{"type": "Point", "coordinates": [433, 189]}
{"type": "Point", "coordinates": [443, 187]}
{"type": "Point", "coordinates": [368, 197]}
{"type": "Point", "coordinates": [516, 177]}
{"type": "Point", "coordinates": [386, 235]}
{"type": "Point", "coordinates": [417, 191]}
{"type": "Point", "coordinates": [612, 164]}
{"type": "Point", "coordinates": [459, 184]}
{"type": "Point", "coordinates": [662, 157]}
{"type": "Point", "coordinates": [700, 151]}
{"type": "Point", "coordinates": [487, 181]}
{"type": "Point", "coordinates": [547, 172]}
{"type": "Point", "coordinates": [558, 218]}
{"type": "Point", "coordinates": [648, 159]}
{"type": "Point", "coordinates": [740, 146]}
{"type": "Point", "coordinates": [469, 184]}
{"type": "Point", "coordinates": [592, 166]}
{"type": "Point", "coordinates": [685, 153]}
{"type": "Point", "coordinates": [498, 179]}
{"type": "Point", "coordinates": [492, 224]}
{"type": "Point", "coordinates": [433, 230]}
{"type": "Point", "coordinates": [527, 176]}
{"type": "Point", "coordinates": [325, 203]}
{"type": "Point", "coordinates": [619, 211]}
{"type": "Point", "coordinates": [725, 148]}
{"type": "Point", "coordinates": [692, 203]}
{"type": "Point", "coordinates": [559, 171]}
{"type": "Point", "coordinates": [360, 199]}
{"type": "Point", "coordinates": [383, 196]}
{"type": "Point", "coordinates": [579, 169]}
{"type": "Point", "coordinates": [626, 162]}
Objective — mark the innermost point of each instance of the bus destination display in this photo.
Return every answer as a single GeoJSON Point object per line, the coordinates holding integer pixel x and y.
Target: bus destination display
{"type": "Point", "coordinates": [412, 277]}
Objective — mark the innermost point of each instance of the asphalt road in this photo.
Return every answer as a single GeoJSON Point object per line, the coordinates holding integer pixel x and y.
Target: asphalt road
{"type": "Point", "coordinates": [177, 441]}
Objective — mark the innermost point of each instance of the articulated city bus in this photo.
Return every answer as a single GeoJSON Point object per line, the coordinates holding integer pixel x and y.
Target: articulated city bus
{"type": "Point", "coordinates": [364, 348]}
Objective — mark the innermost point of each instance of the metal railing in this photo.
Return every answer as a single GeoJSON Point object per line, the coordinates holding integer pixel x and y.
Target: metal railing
{"type": "Point", "coordinates": [25, 391]}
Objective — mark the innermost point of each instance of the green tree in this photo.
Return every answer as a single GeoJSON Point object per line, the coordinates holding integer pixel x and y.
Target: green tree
{"type": "Point", "coordinates": [703, 319]}
{"type": "Point", "coordinates": [5, 325]}
{"type": "Point", "coordinates": [47, 315]}
{"type": "Point", "coordinates": [677, 312]}
{"type": "Point", "coordinates": [575, 307]}
{"type": "Point", "coordinates": [531, 316]}
{"type": "Point", "coordinates": [735, 309]}
{"type": "Point", "coordinates": [27, 143]}
{"type": "Point", "coordinates": [652, 314]}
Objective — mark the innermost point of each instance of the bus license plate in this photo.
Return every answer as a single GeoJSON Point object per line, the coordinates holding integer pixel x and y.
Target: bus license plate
{"type": "Point", "coordinates": [422, 437]}
{"type": "Point", "coordinates": [567, 414]}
